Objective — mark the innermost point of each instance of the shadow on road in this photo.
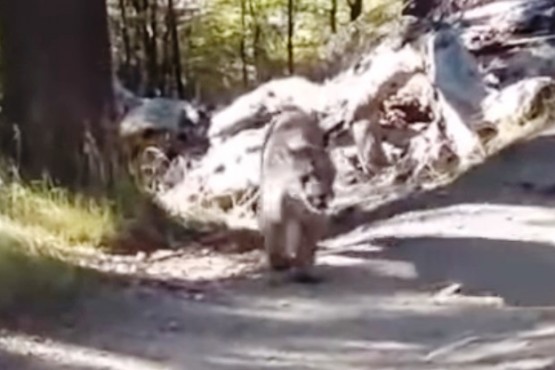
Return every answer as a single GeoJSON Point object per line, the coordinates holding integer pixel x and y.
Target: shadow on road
{"type": "Point", "coordinates": [520, 175]}
{"type": "Point", "coordinates": [522, 273]}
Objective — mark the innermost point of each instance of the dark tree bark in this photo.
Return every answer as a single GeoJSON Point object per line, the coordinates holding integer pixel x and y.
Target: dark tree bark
{"type": "Point", "coordinates": [58, 90]}
{"type": "Point", "coordinates": [129, 69]}
{"type": "Point", "coordinates": [166, 76]}
{"type": "Point", "coordinates": [146, 20]}
{"type": "Point", "coordinates": [125, 35]}
{"type": "Point", "coordinates": [333, 16]}
{"type": "Point", "coordinates": [153, 46]}
{"type": "Point", "coordinates": [290, 34]}
{"type": "Point", "coordinates": [257, 46]}
{"type": "Point", "coordinates": [190, 85]}
{"type": "Point", "coordinates": [355, 9]}
{"type": "Point", "coordinates": [257, 50]}
{"type": "Point", "coordinates": [176, 51]}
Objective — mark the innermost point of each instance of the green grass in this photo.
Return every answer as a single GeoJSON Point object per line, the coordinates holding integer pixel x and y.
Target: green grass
{"type": "Point", "coordinates": [69, 219]}
{"type": "Point", "coordinates": [41, 227]}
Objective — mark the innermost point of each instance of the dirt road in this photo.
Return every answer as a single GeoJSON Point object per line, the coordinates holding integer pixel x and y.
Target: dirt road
{"type": "Point", "coordinates": [492, 232]}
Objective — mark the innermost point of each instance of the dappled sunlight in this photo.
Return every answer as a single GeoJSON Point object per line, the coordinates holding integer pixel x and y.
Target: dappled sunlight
{"type": "Point", "coordinates": [544, 331]}
{"type": "Point", "coordinates": [462, 339]}
{"type": "Point", "coordinates": [135, 151]}
{"type": "Point", "coordinates": [489, 350]}
{"type": "Point", "coordinates": [380, 268]}
{"type": "Point", "coordinates": [505, 349]}
{"type": "Point", "coordinates": [490, 249]}
{"type": "Point", "coordinates": [312, 353]}
{"type": "Point", "coordinates": [288, 308]}
{"type": "Point", "coordinates": [521, 273]}
{"type": "Point", "coordinates": [488, 221]}
{"type": "Point", "coordinates": [57, 353]}
{"type": "Point", "coordinates": [356, 320]}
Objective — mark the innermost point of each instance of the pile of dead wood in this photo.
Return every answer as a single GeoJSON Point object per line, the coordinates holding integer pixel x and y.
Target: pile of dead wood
{"type": "Point", "coordinates": [420, 103]}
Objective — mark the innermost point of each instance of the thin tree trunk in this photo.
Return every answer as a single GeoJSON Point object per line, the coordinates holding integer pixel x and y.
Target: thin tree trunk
{"type": "Point", "coordinates": [166, 74]}
{"type": "Point", "coordinates": [57, 89]}
{"type": "Point", "coordinates": [256, 38]}
{"type": "Point", "coordinates": [256, 42]}
{"type": "Point", "coordinates": [355, 9]}
{"type": "Point", "coordinates": [150, 57]}
{"type": "Point", "coordinates": [125, 37]}
{"type": "Point", "coordinates": [189, 88]}
{"type": "Point", "coordinates": [290, 35]}
{"type": "Point", "coordinates": [243, 44]}
{"type": "Point", "coordinates": [142, 45]}
{"type": "Point", "coordinates": [333, 16]}
{"type": "Point", "coordinates": [176, 51]}
{"type": "Point", "coordinates": [138, 79]}
{"type": "Point", "coordinates": [153, 47]}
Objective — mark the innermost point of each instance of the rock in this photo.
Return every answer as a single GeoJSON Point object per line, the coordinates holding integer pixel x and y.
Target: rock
{"type": "Point", "coordinates": [255, 108]}
{"type": "Point", "coordinates": [125, 99]}
{"type": "Point", "coordinates": [428, 94]}
{"type": "Point", "coordinates": [162, 114]}
{"type": "Point", "coordinates": [512, 39]}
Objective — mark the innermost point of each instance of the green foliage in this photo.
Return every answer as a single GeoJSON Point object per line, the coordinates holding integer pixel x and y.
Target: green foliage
{"type": "Point", "coordinates": [217, 32]}
{"type": "Point", "coordinates": [228, 46]}
{"type": "Point", "coordinates": [357, 37]}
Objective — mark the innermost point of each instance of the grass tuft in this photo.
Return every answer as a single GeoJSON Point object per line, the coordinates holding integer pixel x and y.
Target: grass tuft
{"type": "Point", "coordinates": [41, 230]}
{"type": "Point", "coordinates": [53, 212]}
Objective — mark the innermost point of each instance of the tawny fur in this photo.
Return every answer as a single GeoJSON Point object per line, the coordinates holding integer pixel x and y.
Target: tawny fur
{"type": "Point", "coordinates": [297, 178]}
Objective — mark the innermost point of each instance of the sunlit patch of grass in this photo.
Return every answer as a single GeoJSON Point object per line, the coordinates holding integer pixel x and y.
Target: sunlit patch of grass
{"type": "Point", "coordinates": [57, 214]}
{"type": "Point", "coordinates": [40, 228]}
{"type": "Point", "coordinates": [46, 232]}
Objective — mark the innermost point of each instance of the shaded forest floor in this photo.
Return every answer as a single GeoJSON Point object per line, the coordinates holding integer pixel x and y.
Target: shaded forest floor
{"type": "Point", "coordinates": [381, 306]}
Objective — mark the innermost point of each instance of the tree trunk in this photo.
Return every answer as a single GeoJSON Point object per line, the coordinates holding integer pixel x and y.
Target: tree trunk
{"type": "Point", "coordinates": [176, 51]}
{"type": "Point", "coordinates": [243, 44]}
{"type": "Point", "coordinates": [257, 46]}
{"type": "Point", "coordinates": [290, 34]}
{"type": "Point", "coordinates": [355, 9]}
{"type": "Point", "coordinates": [58, 89]}
{"type": "Point", "coordinates": [125, 37]}
{"type": "Point", "coordinates": [166, 72]}
{"type": "Point", "coordinates": [148, 46]}
{"type": "Point", "coordinates": [153, 47]}
{"type": "Point", "coordinates": [190, 87]}
{"type": "Point", "coordinates": [129, 70]}
{"type": "Point", "coordinates": [333, 16]}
